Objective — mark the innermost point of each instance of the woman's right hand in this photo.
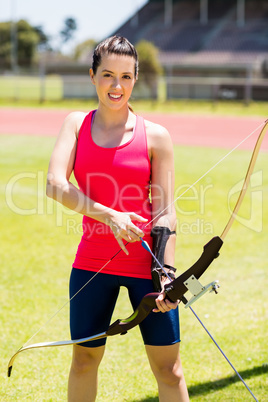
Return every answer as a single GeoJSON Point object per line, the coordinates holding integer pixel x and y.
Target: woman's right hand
{"type": "Point", "coordinates": [124, 229]}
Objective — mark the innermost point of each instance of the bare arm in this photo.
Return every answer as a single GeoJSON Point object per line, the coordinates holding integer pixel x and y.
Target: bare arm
{"type": "Point", "coordinates": [162, 184]}
{"type": "Point", "coordinates": [62, 190]}
{"type": "Point", "coordinates": [163, 210]}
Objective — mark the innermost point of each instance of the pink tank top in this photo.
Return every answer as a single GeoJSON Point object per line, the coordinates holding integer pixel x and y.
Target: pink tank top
{"type": "Point", "coordinates": [118, 178]}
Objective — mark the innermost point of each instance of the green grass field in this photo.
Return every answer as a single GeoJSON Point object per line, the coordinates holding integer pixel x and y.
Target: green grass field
{"type": "Point", "coordinates": [38, 243]}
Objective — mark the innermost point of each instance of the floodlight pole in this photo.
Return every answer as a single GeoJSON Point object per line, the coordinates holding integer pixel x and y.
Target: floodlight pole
{"type": "Point", "coordinates": [134, 22]}
{"type": "Point", "coordinates": [240, 13]}
{"type": "Point", "coordinates": [14, 38]}
{"type": "Point", "coordinates": [168, 13]}
{"type": "Point", "coordinates": [204, 12]}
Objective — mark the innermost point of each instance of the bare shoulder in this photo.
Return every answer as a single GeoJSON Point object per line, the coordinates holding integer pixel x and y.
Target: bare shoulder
{"type": "Point", "coordinates": [76, 115]}
{"type": "Point", "coordinates": [73, 121]}
{"type": "Point", "coordinates": [157, 130]}
{"type": "Point", "coordinates": [158, 137]}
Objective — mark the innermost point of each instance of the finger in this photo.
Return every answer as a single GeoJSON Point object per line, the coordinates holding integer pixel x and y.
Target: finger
{"type": "Point", "coordinates": [137, 217]}
{"type": "Point", "coordinates": [161, 304]}
{"type": "Point", "coordinates": [122, 245]}
{"type": "Point", "coordinates": [128, 236]}
{"type": "Point", "coordinates": [133, 236]}
{"type": "Point", "coordinates": [120, 233]}
{"type": "Point", "coordinates": [171, 305]}
{"type": "Point", "coordinates": [115, 230]}
{"type": "Point", "coordinates": [163, 308]}
{"type": "Point", "coordinates": [129, 232]}
{"type": "Point", "coordinates": [164, 304]}
{"type": "Point", "coordinates": [161, 297]}
{"type": "Point", "coordinates": [157, 309]}
{"type": "Point", "coordinates": [136, 231]}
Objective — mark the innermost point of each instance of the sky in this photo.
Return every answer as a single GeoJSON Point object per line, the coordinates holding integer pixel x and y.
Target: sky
{"type": "Point", "coordinates": [96, 19]}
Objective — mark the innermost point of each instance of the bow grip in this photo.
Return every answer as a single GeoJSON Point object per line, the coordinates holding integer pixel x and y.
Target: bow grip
{"type": "Point", "coordinates": [176, 289]}
{"type": "Point", "coordinates": [146, 305]}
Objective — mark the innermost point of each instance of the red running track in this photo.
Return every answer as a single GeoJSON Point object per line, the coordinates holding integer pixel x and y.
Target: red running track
{"type": "Point", "coordinates": [193, 130]}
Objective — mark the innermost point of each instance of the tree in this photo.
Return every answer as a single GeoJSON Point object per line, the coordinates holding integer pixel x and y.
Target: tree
{"type": "Point", "coordinates": [25, 42]}
{"type": "Point", "coordinates": [44, 40]}
{"type": "Point", "coordinates": [67, 32]}
{"type": "Point", "coordinates": [83, 50]}
{"type": "Point", "coordinates": [149, 65]}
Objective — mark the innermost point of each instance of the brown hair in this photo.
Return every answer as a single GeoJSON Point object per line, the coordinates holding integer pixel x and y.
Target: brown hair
{"type": "Point", "coordinates": [114, 45]}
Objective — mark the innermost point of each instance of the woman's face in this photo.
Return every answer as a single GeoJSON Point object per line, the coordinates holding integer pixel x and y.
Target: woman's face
{"type": "Point", "coordinates": [114, 80]}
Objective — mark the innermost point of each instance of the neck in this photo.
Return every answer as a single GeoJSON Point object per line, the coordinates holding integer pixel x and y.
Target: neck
{"type": "Point", "coordinates": [112, 118]}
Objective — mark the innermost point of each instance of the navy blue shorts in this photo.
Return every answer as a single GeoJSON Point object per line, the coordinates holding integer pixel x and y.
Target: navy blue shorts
{"type": "Point", "coordinates": [92, 308]}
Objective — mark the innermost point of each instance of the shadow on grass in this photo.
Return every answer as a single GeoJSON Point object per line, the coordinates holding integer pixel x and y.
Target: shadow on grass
{"type": "Point", "coordinates": [209, 386]}
{"type": "Point", "coordinates": [216, 385]}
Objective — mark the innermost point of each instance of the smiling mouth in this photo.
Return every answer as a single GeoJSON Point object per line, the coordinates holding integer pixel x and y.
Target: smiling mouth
{"type": "Point", "coordinates": [115, 97]}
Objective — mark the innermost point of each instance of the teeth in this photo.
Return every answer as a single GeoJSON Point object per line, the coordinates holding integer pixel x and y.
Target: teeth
{"type": "Point", "coordinates": [115, 96]}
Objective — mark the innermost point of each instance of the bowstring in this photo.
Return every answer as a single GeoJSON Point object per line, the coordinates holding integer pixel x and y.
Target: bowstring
{"type": "Point", "coordinates": [147, 224]}
{"type": "Point", "coordinates": [206, 173]}
{"type": "Point", "coordinates": [70, 299]}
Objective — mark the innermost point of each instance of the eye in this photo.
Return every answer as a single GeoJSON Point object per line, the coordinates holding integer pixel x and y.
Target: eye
{"type": "Point", "coordinates": [127, 77]}
{"type": "Point", "coordinates": [107, 75]}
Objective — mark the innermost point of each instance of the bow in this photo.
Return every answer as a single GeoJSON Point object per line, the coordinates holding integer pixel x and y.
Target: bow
{"type": "Point", "coordinates": [174, 290]}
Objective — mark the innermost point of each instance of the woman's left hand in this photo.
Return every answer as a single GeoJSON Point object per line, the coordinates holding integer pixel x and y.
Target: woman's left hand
{"type": "Point", "coordinates": [163, 304]}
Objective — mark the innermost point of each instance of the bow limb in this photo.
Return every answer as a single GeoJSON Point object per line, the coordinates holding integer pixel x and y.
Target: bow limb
{"type": "Point", "coordinates": [146, 305]}
{"type": "Point", "coordinates": [246, 180]}
{"type": "Point", "coordinates": [176, 289]}
{"type": "Point", "coordinates": [52, 344]}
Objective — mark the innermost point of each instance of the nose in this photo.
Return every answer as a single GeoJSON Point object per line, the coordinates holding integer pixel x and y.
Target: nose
{"type": "Point", "coordinates": [116, 82]}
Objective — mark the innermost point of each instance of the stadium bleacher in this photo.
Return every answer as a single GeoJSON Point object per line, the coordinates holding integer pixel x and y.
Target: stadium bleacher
{"type": "Point", "coordinates": [226, 44]}
{"type": "Point", "coordinates": [187, 33]}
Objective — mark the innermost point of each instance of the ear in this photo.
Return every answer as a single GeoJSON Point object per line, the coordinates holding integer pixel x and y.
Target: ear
{"type": "Point", "coordinates": [91, 76]}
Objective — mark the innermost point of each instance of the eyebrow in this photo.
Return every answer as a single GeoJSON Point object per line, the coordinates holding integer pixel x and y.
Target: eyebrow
{"type": "Point", "coordinates": [108, 71]}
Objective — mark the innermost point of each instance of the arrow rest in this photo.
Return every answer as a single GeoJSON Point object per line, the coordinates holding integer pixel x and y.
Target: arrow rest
{"type": "Point", "coordinates": [198, 290]}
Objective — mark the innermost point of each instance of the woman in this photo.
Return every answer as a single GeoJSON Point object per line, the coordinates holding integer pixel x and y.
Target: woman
{"type": "Point", "coordinates": [124, 169]}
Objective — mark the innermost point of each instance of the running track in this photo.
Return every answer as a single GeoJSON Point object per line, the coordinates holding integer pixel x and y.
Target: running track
{"type": "Point", "coordinates": [210, 131]}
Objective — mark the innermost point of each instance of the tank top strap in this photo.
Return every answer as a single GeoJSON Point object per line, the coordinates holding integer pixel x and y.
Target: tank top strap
{"type": "Point", "coordinates": [141, 137]}
{"type": "Point", "coordinates": [85, 127]}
